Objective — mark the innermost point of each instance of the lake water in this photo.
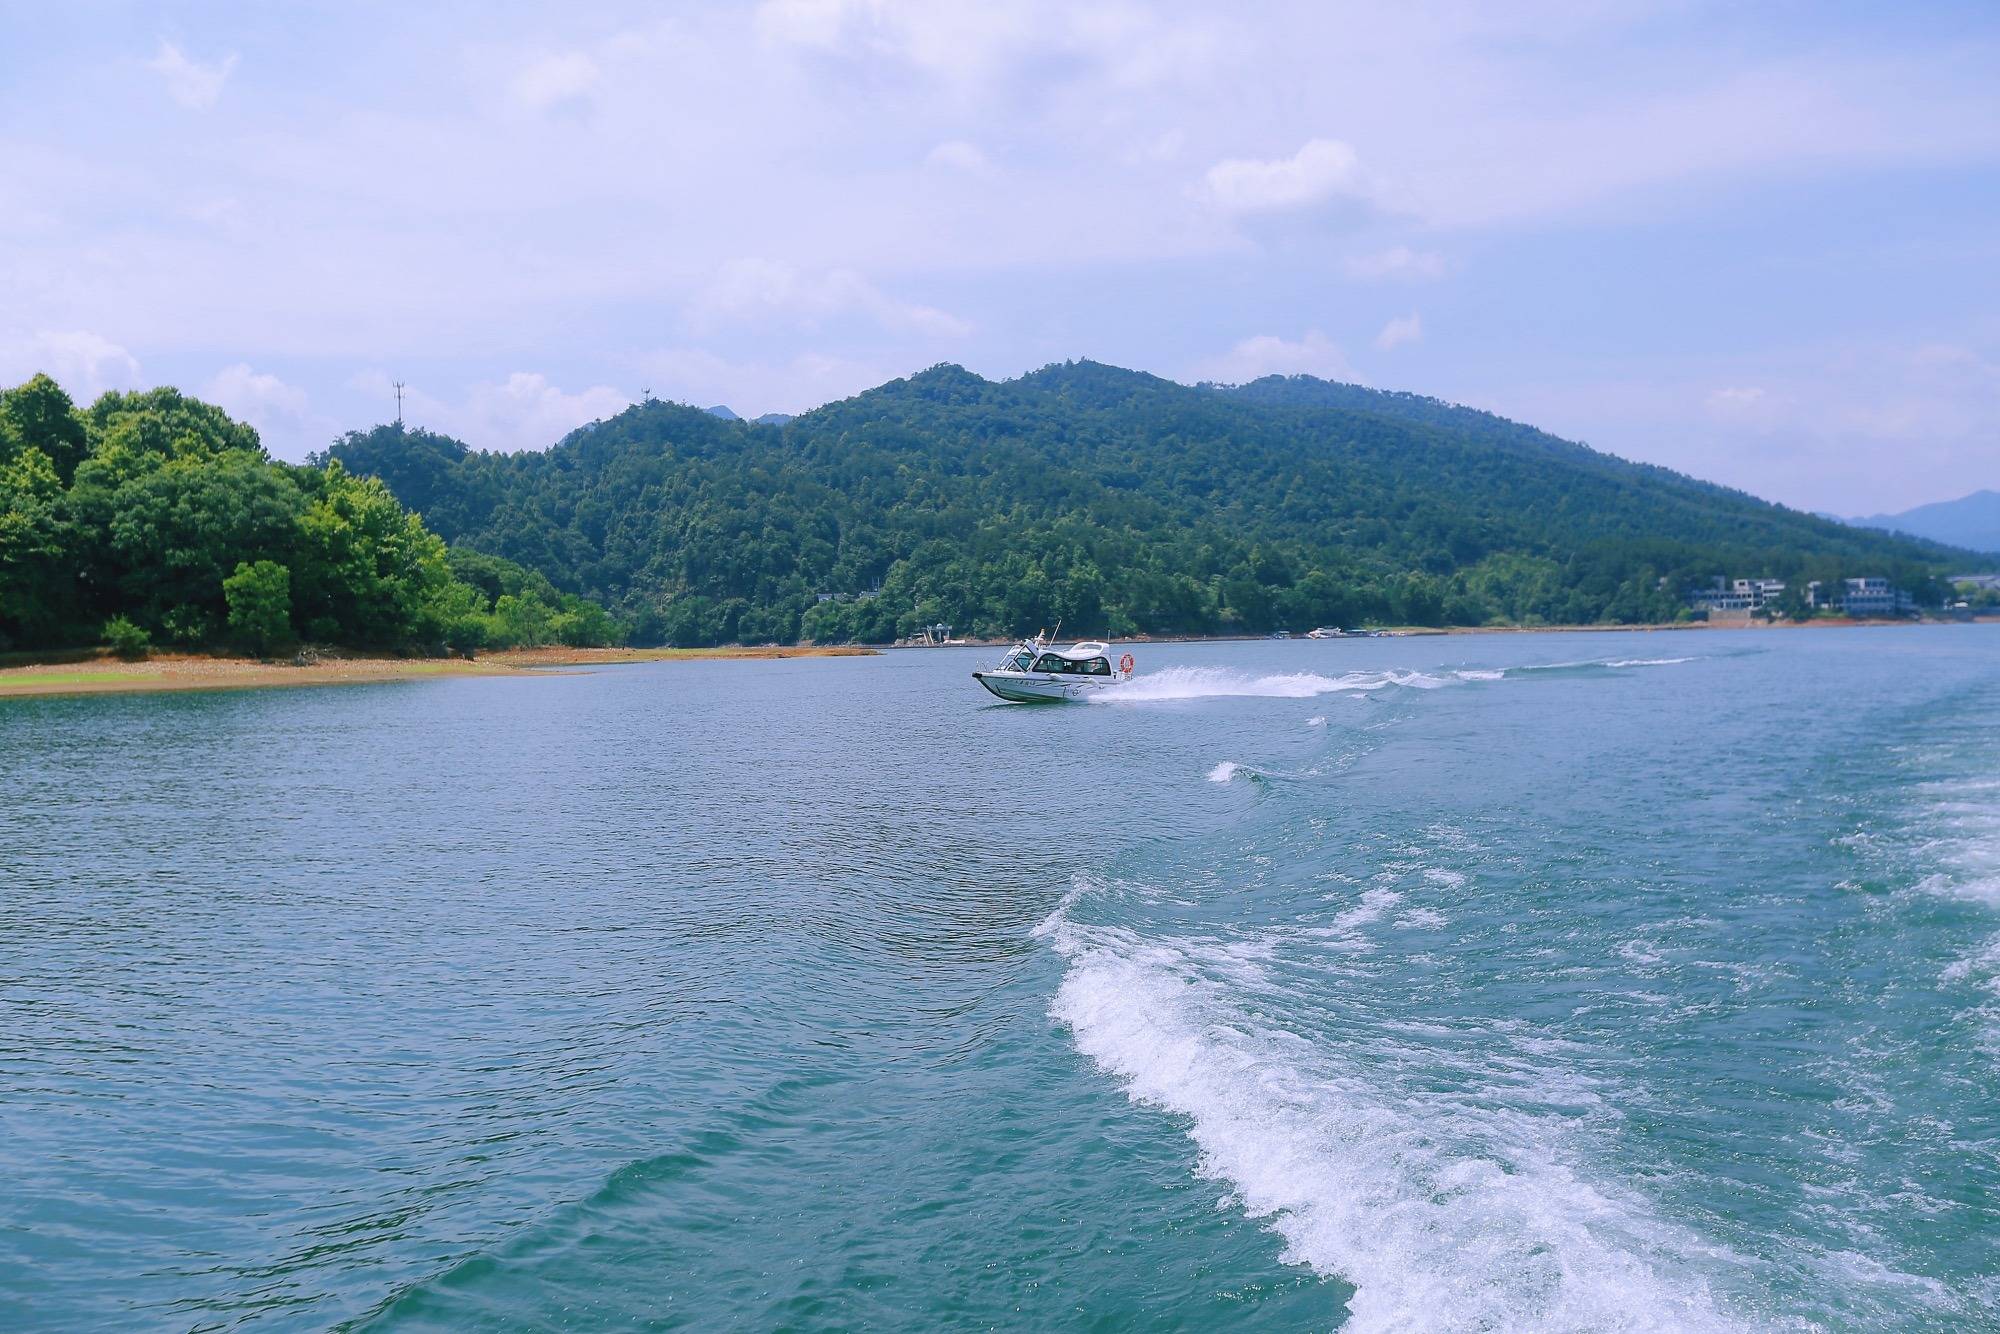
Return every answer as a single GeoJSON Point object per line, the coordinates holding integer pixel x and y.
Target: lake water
{"type": "Point", "coordinates": [1618, 981]}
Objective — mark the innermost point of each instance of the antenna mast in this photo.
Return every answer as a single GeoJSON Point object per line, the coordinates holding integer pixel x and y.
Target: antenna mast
{"type": "Point", "coordinates": [399, 402]}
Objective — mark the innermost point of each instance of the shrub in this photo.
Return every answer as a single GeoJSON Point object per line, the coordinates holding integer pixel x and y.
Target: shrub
{"type": "Point", "coordinates": [127, 640]}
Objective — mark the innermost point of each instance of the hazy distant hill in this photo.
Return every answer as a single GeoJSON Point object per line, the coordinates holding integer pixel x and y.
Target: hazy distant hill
{"type": "Point", "coordinates": [1117, 501]}
{"type": "Point", "coordinates": [729, 414]}
{"type": "Point", "coordinates": [1972, 522]}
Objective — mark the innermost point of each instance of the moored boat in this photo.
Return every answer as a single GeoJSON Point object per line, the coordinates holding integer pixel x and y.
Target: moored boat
{"type": "Point", "coordinates": [1034, 672]}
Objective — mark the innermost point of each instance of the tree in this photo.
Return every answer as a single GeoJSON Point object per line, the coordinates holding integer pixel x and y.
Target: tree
{"type": "Point", "coordinates": [177, 531]}
{"type": "Point", "coordinates": [524, 621]}
{"type": "Point", "coordinates": [39, 415]}
{"type": "Point", "coordinates": [368, 570]}
{"type": "Point", "coordinates": [167, 422]}
{"type": "Point", "coordinates": [31, 545]}
{"type": "Point", "coordinates": [259, 595]}
{"type": "Point", "coordinates": [157, 511]}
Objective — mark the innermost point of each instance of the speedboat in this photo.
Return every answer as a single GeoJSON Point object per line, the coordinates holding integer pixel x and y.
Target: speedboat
{"type": "Point", "coordinates": [1033, 672]}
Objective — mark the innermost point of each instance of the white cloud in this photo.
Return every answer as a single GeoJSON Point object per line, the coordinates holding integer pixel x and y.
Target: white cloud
{"type": "Point", "coordinates": [527, 412]}
{"type": "Point", "coordinates": [1165, 146]}
{"type": "Point", "coordinates": [750, 291]}
{"type": "Point", "coordinates": [1811, 426]}
{"type": "Point", "coordinates": [524, 411]}
{"type": "Point", "coordinates": [279, 411]}
{"type": "Point", "coordinates": [257, 397]}
{"type": "Point", "coordinates": [191, 83]}
{"type": "Point", "coordinates": [555, 82]}
{"type": "Point", "coordinates": [83, 363]}
{"type": "Point", "coordinates": [1396, 263]}
{"type": "Point", "coordinates": [958, 155]}
{"type": "Point", "coordinates": [1739, 401]}
{"type": "Point", "coordinates": [1403, 329]}
{"type": "Point", "coordinates": [753, 388]}
{"type": "Point", "coordinates": [1320, 170]}
{"type": "Point", "coordinates": [1268, 354]}
{"type": "Point", "coordinates": [973, 44]}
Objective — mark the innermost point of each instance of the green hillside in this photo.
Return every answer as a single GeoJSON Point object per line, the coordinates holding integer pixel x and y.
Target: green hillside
{"type": "Point", "coordinates": [1116, 501]}
{"type": "Point", "coordinates": [154, 519]}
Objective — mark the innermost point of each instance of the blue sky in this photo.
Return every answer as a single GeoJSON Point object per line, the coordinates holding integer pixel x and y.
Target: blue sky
{"type": "Point", "coordinates": [1754, 242]}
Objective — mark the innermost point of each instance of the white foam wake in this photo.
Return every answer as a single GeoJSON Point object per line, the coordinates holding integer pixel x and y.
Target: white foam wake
{"type": "Point", "coordinates": [1173, 683]}
{"type": "Point", "coordinates": [1599, 662]}
{"type": "Point", "coordinates": [1443, 1214]}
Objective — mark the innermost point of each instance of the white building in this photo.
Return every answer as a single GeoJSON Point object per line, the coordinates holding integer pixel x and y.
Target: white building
{"type": "Point", "coordinates": [1861, 597]}
{"type": "Point", "coordinates": [1737, 597]}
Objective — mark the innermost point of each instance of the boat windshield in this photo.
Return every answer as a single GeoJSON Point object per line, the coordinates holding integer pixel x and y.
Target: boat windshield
{"type": "Point", "coordinates": [1019, 661]}
{"type": "Point", "coordinates": [1056, 662]}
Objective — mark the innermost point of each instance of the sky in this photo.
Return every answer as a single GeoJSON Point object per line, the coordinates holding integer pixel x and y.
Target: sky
{"type": "Point", "coordinates": [1755, 242]}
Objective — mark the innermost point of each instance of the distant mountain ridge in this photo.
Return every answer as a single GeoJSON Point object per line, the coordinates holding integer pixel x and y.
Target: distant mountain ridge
{"type": "Point", "coordinates": [1117, 501]}
{"type": "Point", "coordinates": [729, 414]}
{"type": "Point", "coordinates": [1972, 522]}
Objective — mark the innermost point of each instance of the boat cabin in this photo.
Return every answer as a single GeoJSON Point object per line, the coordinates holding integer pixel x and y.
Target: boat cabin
{"type": "Point", "coordinates": [1090, 658]}
{"type": "Point", "coordinates": [1064, 663]}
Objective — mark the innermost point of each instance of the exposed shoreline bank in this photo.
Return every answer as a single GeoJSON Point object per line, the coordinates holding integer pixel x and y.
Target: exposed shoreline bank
{"type": "Point", "coordinates": [84, 673]}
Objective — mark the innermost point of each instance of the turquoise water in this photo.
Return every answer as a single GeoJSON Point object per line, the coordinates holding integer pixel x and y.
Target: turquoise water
{"type": "Point", "coordinates": [1558, 981]}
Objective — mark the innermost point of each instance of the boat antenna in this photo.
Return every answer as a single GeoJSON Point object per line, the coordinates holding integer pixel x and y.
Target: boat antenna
{"type": "Point", "coordinates": [1057, 633]}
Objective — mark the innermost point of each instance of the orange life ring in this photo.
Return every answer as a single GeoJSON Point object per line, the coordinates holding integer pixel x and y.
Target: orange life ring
{"type": "Point", "coordinates": [1125, 665]}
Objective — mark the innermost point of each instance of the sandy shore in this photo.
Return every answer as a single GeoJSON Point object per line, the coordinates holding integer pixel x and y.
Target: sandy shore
{"type": "Point", "coordinates": [97, 674]}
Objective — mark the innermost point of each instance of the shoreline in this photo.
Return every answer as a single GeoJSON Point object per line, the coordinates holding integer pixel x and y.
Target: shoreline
{"type": "Point", "coordinates": [1429, 631]}
{"type": "Point", "coordinates": [100, 673]}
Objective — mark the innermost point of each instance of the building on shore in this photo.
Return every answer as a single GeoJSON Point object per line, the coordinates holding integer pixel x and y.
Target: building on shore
{"type": "Point", "coordinates": [1870, 597]}
{"type": "Point", "coordinates": [1737, 599]}
{"type": "Point", "coordinates": [1741, 600]}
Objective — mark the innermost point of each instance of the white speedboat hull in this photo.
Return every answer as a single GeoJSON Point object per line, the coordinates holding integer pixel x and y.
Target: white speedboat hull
{"type": "Point", "coordinates": [1033, 688]}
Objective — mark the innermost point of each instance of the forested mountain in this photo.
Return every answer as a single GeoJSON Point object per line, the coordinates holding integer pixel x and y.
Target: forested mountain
{"type": "Point", "coordinates": [153, 517]}
{"type": "Point", "coordinates": [1116, 501]}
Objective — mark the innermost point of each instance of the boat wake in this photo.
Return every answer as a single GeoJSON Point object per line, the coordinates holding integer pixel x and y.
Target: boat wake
{"type": "Point", "coordinates": [1178, 683]}
{"type": "Point", "coordinates": [1230, 771]}
{"type": "Point", "coordinates": [1567, 668]}
{"type": "Point", "coordinates": [1185, 683]}
{"type": "Point", "coordinates": [1445, 1211]}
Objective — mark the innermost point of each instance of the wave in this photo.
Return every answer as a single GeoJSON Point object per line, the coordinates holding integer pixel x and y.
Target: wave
{"type": "Point", "coordinates": [1578, 667]}
{"type": "Point", "coordinates": [1178, 683]}
{"type": "Point", "coordinates": [1587, 663]}
{"type": "Point", "coordinates": [1228, 771]}
{"type": "Point", "coordinates": [1442, 1212]}
{"type": "Point", "coordinates": [1184, 683]}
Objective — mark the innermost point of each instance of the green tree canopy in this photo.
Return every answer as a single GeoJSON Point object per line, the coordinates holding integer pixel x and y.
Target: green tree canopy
{"type": "Point", "coordinates": [165, 518]}
{"type": "Point", "coordinates": [39, 415]}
